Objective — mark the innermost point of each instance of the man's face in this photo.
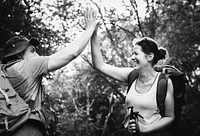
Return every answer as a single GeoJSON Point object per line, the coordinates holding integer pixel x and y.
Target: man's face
{"type": "Point", "coordinates": [30, 51]}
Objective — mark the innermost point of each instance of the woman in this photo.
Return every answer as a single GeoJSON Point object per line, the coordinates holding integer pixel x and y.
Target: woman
{"type": "Point", "coordinates": [27, 69]}
{"type": "Point", "coordinates": [142, 94]}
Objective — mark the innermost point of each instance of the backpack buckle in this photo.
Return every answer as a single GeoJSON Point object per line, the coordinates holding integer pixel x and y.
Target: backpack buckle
{"type": "Point", "coordinates": [8, 103]}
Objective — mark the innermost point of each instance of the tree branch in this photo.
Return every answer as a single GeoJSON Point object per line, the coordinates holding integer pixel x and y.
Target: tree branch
{"type": "Point", "coordinates": [125, 30]}
{"type": "Point", "coordinates": [104, 22]}
{"type": "Point", "coordinates": [135, 7]}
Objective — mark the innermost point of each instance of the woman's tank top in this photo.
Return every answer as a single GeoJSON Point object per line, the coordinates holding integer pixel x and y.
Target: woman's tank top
{"type": "Point", "coordinates": [144, 103]}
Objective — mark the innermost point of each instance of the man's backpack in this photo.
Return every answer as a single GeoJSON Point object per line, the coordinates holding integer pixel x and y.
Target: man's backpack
{"type": "Point", "coordinates": [179, 85]}
{"type": "Point", "coordinates": [13, 109]}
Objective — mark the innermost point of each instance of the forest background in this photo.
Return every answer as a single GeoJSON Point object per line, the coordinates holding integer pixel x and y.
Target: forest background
{"type": "Point", "coordinates": [79, 100]}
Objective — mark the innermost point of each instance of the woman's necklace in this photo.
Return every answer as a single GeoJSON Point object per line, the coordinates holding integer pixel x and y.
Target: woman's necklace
{"type": "Point", "coordinates": [143, 87]}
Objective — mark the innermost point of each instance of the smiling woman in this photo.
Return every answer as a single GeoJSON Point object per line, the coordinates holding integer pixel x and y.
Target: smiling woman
{"type": "Point", "coordinates": [142, 92]}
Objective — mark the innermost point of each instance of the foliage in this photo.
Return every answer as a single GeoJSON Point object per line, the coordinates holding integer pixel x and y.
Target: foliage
{"type": "Point", "coordinates": [23, 13]}
{"type": "Point", "coordinates": [181, 29]}
{"type": "Point", "coordinates": [80, 100]}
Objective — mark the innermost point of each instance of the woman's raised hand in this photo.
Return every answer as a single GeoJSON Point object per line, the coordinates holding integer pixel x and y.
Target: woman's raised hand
{"type": "Point", "coordinates": [90, 18]}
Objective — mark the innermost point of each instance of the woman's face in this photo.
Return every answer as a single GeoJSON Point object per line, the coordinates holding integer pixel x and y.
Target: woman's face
{"type": "Point", "coordinates": [29, 52]}
{"type": "Point", "coordinates": [139, 58]}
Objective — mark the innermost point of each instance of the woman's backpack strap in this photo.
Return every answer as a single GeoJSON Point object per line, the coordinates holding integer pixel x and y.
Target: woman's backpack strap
{"type": "Point", "coordinates": [161, 92]}
{"type": "Point", "coordinates": [131, 78]}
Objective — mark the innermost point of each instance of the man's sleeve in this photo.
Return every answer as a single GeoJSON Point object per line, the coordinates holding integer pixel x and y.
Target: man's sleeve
{"type": "Point", "coordinates": [38, 65]}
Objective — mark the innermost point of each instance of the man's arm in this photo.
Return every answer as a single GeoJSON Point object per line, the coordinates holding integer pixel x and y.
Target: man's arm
{"type": "Point", "coordinates": [70, 52]}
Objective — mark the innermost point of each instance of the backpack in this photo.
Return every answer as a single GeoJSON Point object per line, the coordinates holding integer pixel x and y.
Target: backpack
{"type": "Point", "coordinates": [179, 85]}
{"type": "Point", "coordinates": [14, 111]}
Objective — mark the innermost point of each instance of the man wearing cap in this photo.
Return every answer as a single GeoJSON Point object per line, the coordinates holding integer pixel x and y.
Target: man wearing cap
{"type": "Point", "coordinates": [27, 69]}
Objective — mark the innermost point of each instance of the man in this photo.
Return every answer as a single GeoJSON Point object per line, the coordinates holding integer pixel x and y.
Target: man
{"type": "Point", "coordinates": [27, 69]}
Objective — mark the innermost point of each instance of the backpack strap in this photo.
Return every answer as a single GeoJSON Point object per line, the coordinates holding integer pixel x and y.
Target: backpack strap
{"type": "Point", "coordinates": [3, 68]}
{"type": "Point", "coordinates": [10, 63]}
{"type": "Point", "coordinates": [131, 78]}
{"type": "Point", "coordinates": [161, 93]}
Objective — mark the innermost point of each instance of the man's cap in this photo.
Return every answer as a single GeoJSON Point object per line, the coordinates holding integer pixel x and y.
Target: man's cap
{"type": "Point", "coordinates": [17, 44]}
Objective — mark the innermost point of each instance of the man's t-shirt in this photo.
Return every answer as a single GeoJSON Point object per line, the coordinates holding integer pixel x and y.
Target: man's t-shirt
{"type": "Point", "coordinates": [26, 77]}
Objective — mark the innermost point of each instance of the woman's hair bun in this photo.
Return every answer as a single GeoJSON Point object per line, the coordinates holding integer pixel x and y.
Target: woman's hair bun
{"type": "Point", "coordinates": [162, 53]}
